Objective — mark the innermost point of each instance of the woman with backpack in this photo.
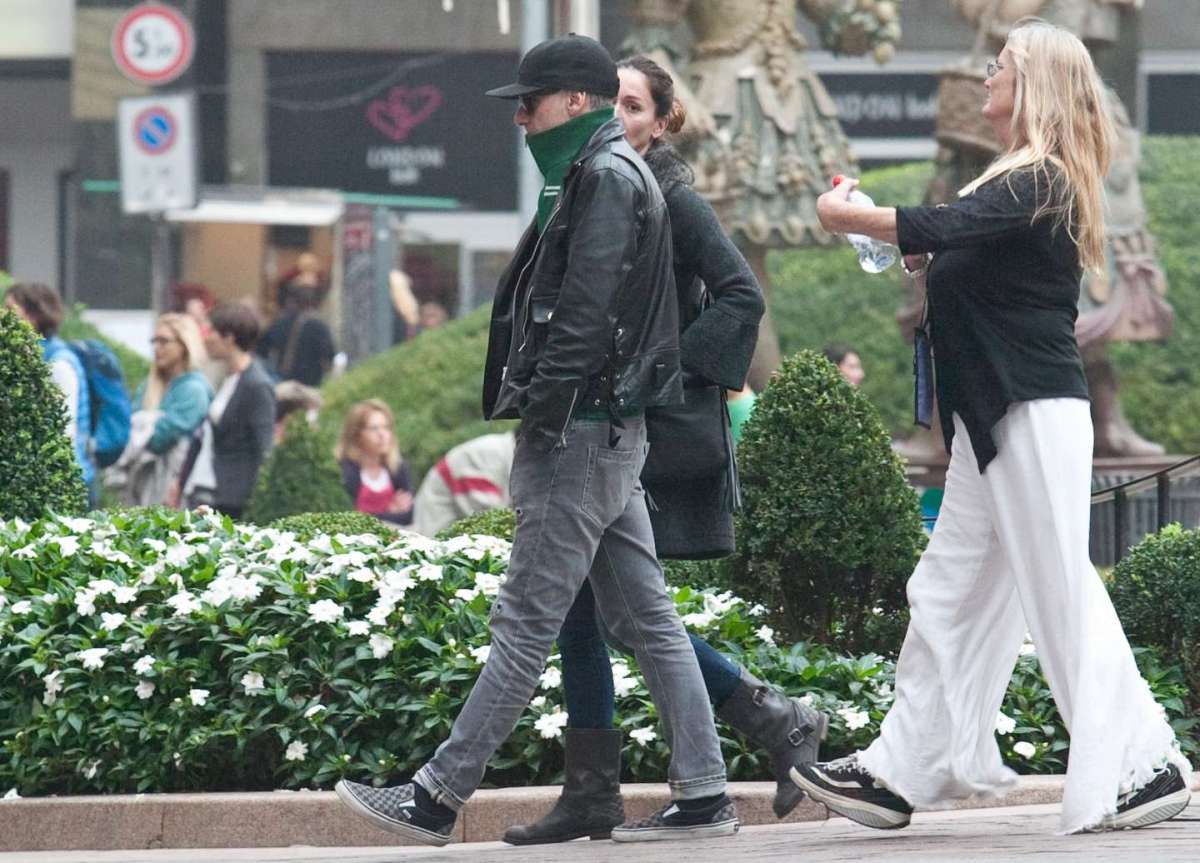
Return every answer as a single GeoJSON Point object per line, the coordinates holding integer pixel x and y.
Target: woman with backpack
{"type": "Point", "coordinates": [40, 306]}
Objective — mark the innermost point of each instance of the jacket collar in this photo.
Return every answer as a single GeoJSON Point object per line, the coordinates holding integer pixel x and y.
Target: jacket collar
{"type": "Point", "coordinates": [613, 130]}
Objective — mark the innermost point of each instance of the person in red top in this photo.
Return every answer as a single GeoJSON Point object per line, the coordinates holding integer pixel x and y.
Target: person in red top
{"type": "Point", "coordinates": [376, 477]}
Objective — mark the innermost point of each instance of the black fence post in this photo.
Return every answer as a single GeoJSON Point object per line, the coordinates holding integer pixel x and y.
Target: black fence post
{"type": "Point", "coordinates": [1164, 500]}
{"type": "Point", "coordinates": [1120, 528]}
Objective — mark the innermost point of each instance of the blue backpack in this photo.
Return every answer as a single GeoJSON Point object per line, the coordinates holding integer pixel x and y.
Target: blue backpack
{"type": "Point", "coordinates": [108, 398]}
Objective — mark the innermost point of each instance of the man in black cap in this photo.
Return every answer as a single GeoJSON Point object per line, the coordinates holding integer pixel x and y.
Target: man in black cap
{"type": "Point", "coordinates": [584, 338]}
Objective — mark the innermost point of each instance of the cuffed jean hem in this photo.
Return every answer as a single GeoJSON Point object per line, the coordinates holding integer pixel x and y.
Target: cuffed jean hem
{"type": "Point", "coordinates": [438, 790]}
{"type": "Point", "coordinates": [694, 789]}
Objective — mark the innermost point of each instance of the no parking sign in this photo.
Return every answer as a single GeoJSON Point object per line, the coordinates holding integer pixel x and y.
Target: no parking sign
{"type": "Point", "coordinates": [156, 139]}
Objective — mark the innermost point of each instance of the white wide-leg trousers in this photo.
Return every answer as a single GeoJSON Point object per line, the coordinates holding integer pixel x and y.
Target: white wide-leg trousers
{"type": "Point", "coordinates": [1010, 551]}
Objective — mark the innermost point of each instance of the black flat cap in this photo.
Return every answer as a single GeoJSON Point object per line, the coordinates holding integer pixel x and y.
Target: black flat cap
{"type": "Point", "coordinates": [570, 62]}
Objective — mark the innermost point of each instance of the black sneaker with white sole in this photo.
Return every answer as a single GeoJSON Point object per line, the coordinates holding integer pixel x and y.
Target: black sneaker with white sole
{"type": "Point", "coordinates": [847, 789]}
{"type": "Point", "coordinates": [718, 819]}
{"type": "Point", "coordinates": [395, 810]}
{"type": "Point", "coordinates": [1163, 797]}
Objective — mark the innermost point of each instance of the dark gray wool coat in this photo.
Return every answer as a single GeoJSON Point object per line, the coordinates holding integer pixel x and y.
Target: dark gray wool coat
{"type": "Point", "coordinates": [694, 519]}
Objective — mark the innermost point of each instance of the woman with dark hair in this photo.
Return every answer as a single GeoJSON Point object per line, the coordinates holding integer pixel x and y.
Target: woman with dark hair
{"type": "Point", "coordinates": [847, 360]}
{"type": "Point", "coordinates": [41, 307]}
{"type": "Point", "coordinates": [1010, 553]}
{"type": "Point", "coordinates": [720, 305]}
{"type": "Point", "coordinates": [237, 435]}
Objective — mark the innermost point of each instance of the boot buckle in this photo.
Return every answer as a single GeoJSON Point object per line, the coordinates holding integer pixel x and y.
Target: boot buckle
{"type": "Point", "coordinates": [797, 735]}
{"type": "Point", "coordinates": [760, 696]}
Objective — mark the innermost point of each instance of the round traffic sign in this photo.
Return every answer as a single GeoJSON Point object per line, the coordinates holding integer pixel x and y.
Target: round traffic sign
{"type": "Point", "coordinates": [153, 44]}
{"type": "Point", "coordinates": [154, 130]}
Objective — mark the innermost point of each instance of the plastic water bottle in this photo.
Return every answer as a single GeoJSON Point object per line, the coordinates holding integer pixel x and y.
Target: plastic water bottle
{"type": "Point", "coordinates": [874, 256]}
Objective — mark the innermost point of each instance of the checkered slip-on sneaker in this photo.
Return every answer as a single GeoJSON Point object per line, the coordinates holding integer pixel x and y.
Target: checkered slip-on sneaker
{"type": "Point", "coordinates": [719, 819]}
{"type": "Point", "coordinates": [848, 789]}
{"type": "Point", "coordinates": [1163, 797]}
{"type": "Point", "coordinates": [395, 810]}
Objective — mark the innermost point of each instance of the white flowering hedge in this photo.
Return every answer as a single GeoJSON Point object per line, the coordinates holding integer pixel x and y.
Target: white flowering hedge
{"type": "Point", "coordinates": [151, 651]}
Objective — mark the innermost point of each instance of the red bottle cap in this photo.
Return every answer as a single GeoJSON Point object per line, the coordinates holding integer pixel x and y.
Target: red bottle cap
{"type": "Point", "coordinates": [838, 179]}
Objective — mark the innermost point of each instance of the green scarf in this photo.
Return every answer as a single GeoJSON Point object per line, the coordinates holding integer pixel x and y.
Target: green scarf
{"type": "Point", "coordinates": [555, 149]}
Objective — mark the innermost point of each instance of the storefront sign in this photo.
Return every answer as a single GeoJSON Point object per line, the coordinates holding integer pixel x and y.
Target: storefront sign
{"type": "Point", "coordinates": [394, 124]}
{"type": "Point", "coordinates": [887, 105]}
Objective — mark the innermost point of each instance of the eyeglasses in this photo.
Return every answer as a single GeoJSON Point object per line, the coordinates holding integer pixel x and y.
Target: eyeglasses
{"type": "Point", "coordinates": [530, 101]}
{"type": "Point", "coordinates": [163, 340]}
{"type": "Point", "coordinates": [994, 67]}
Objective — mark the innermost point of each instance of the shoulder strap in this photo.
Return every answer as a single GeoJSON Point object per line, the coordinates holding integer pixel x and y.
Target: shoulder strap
{"type": "Point", "coordinates": [293, 339]}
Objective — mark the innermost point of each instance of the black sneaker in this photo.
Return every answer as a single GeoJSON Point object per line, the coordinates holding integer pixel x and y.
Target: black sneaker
{"type": "Point", "coordinates": [395, 810]}
{"type": "Point", "coordinates": [718, 819]}
{"type": "Point", "coordinates": [849, 790]}
{"type": "Point", "coordinates": [1163, 797]}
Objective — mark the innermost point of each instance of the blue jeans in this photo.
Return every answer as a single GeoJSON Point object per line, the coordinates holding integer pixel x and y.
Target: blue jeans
{"type": "Point", "coordinates": [581, 515]}
{"type": "Point", "coordinates": [587, 674]}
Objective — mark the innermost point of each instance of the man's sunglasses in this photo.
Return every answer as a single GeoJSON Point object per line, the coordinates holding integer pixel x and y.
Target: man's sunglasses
{"type": "Point", "coordinates": [530, 101]}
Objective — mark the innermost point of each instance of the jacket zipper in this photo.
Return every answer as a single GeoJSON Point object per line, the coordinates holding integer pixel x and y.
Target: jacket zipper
{"type": "Point", "coordinates": [532, 257]}
{"type": "Point", "coordinates": [562, 437]}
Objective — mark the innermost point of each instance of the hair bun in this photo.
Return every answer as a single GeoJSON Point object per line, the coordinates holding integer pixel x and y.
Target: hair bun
{"type": "Point", "coordinates": [677, 117]}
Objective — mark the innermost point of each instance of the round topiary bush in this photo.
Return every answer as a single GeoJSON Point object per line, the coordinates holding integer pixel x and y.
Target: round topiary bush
{"type": "Point", "coordinates": [299, 476]}
{"type": "Point", "coordinates": [38, 471]}
{"type": "Point", "coordinates": [830, 530]}
{"type": "Point", "coordinates": [501, 523]}
{"type": "Point", "coordinates": [1156, 591]}
{"type": "Point", "coordinates": [310, 524]}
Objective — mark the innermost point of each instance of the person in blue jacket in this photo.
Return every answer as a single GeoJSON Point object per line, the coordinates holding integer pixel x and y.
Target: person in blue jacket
{"type": "Point", "coordinates": [176, 387]}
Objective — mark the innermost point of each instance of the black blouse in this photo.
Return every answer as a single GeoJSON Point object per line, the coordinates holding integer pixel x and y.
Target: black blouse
{"type": "Point", "coordinates": [1003, 293]}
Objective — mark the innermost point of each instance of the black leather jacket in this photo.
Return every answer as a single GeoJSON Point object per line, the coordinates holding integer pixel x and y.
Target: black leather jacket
{"type": "Point", "coordinates": [586, 311]}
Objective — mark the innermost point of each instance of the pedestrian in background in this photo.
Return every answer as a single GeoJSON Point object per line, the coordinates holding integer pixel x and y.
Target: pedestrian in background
{"type": "Point", "coordinates": [376, 477]}
{"type": "Point", "coordinates": [848, 362]}
{"type": "Point", "coordinates": [1011, 546]}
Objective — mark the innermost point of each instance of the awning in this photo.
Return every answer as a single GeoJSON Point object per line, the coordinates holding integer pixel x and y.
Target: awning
{"type": "Point", "coordinates": [263, 207]}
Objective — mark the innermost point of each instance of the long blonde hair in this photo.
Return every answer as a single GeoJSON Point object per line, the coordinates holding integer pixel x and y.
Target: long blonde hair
{"type": "Point", "coordinates": [1060, 121]}
{"type": "Point", "coordinates": [184, 328]}
{"type": "Point", "coordinates": [360, 414]}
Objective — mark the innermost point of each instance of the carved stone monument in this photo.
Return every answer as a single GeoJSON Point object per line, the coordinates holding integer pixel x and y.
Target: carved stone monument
{"type": "Point", "coordinates": [1124, 304]}
{"type": "Point", "coordinates": [762, 132]}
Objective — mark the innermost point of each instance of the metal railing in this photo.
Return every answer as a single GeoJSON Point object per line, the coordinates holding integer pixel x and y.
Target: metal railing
{"type": "Point", "coordinates": [1132, 515]}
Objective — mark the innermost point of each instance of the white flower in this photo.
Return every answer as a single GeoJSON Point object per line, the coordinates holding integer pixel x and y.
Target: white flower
{"type": "Point", "coordinates": [550, 725]}
{"type": "Point", "coordinates": [766, 633]}
{"type": "Point", "coordinates": [429, 572]}
{"type": "Point", "coordinates": [349, 560]}
{"type": "Point", "coordinates": [325, 611]}
{"type": "Point", "coordinates": [125, 595]}
{"type": "Point", "coordinates": [199, 697]}
{"type": "Point", "coordinates": [1005, 724]}
{"type": "Point", "coordinates": [102, 586]}
{"type": "Point", "coordinates": [807, 699]}
{"type": "Point", "coordinates": [184, 603]}
{"type": "Point", "coordinates": [53, 682]}
{"type": "Point", "coordinates": [78, 525]}
{"type": "Point", "coordinates": [699, 619]}
{"type": "Point", "coordinates": [853, 718]}
{"type": "Point", "coordinates": [719, 603]}
{"type": "Point", "coordinates": [253, 683]}
{"type": "Point", "coordinates": [1028, 648]}
{"type": "Point", "coordinates": [111, 621]}
{"type": "Point", "coordinates": [488, 584]}
{"type": "Point", "coordinates": [144, 664]}
{"type": "Point", "coordinates": [551, 678]}
{"type": "Point", "coordinates": [322, 543]}
{"type": "Point", "coordinates": [296, 751]}
{"type": "Point", "coordinates": [93, 658]}
{"type": "Point", "coordinates": [12, 794]}
{"type": "Point", "coordinates": [85, 603]}
{"type": "Point", "coordinates": [91, 771]}
{"type": "Point", "coordinates": [23, 606]}
{"type": "Point", "coordinates": [27, 552]}
{"type": "Point", "coordinates": [1025, 749]}
{"type": "Point", "coordinates": [884, 690]}
{"type": "Point", "coordinates": [643, 735]}
{"type": "Point", "coordinates": [379, 614]}
{"type": "Point", "coordinates": [145, 689]}
{"type": "Point", "coordinates": [49, 598]}
{"type": "Point", "coordinates": [381, 645]}
{"type": "Point", "coordinates": [313, 711]}
{"type": "Point", "coordinates": [466, 594]}
{"type": "Point", "coordinates": [364, 575]}
{"type": "Point", "coordinates": [358, 627]}
{"type": "Point", "coordinates": [538, 702]}
{"type": "Point", "coordinates": [481, 654]}
{"type": "Point", "coordinates": [154, 544]}
{"type": "Point", "coordinates": [179, 554]}
{"type": "Point", "coordinates": [67, 547]}
{"type": "Point", "coordinates": [757, 610]}
{"type": "Point", "coordinates": [394, 584]}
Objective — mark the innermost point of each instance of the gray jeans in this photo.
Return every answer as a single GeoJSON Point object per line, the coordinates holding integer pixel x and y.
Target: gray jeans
{"type": "Point", "coordinates": [578, 505]}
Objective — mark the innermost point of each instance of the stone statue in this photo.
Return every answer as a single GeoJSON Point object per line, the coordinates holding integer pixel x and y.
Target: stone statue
{"type": "Point", "coordinates": [1126, 303]}
{"type": "Point", "coordinates": [762, 132]}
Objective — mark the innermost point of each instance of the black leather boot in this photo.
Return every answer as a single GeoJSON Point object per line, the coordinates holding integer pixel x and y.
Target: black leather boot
{"type": "Point", "coordinates": [787, 728]}
{"type": "Point", "coordinates": [590, 803]}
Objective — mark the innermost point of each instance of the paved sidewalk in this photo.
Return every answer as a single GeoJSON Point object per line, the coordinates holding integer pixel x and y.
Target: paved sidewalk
{"type": "Point", "coordinates": [1009, 835]}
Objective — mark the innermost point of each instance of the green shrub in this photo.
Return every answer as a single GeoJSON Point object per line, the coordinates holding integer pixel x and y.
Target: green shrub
{"type": "Point", "coordinates": [149, 651]}
{"type": "Point", "coordinates": [830, 530]}
{"type": "Point", "coordinates": [299, 476]}
{"type": "Point", "coordinates": [38, 471]}
{"type": "Point", "coordinates": [717, 574]}
{"type": "Point", "coordinates": [500, 523]}
{"type": "Point", "coordinates": [1156, 591]}
{"type": "Point", "coordinates": [310, 524]}
{"type": "Point", "coordinates": [434, 385]}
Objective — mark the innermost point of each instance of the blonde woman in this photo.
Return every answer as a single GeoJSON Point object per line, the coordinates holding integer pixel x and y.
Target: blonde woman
{"type": "Point", "coordinates": [1011, 547]}
{"type": "Point", "coordinates": [176, 388]}
{"type": "Point", "coordinates": [376, 477]}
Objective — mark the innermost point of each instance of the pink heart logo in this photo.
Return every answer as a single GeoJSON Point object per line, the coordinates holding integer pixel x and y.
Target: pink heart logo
{"type": "Point", "coordinates": [403, 110]}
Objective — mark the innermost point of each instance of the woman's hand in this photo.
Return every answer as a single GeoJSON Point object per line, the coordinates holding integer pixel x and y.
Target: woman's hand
{"type": "Point", "coordinates": [402, 501]}
{"type": "Point", "coordinates": [835, 203]}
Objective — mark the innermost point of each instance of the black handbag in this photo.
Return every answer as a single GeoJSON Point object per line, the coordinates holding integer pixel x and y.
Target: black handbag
{"type": "Point", "coordinates": [687, 441]}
